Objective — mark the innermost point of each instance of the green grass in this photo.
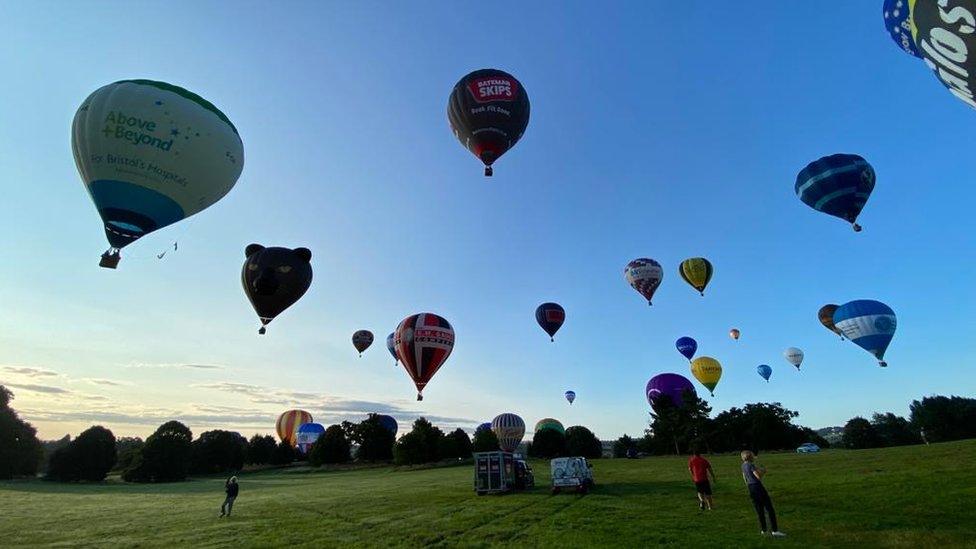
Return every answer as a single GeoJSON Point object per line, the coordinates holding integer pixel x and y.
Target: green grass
{"type": "Point", "coordinates": [908, 497]}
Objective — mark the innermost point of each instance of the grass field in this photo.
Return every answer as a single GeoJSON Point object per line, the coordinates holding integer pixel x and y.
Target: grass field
{"type": "Point", "coordinates": [909, 497]}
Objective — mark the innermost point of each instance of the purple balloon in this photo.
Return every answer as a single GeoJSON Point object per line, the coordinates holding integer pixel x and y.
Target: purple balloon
{"type": "Point", "coordinates": [672, 386]}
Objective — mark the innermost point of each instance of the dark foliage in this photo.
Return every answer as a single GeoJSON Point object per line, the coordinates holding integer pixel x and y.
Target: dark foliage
{"type": "Point", "coordinates": [331, 447]}
{"type": "Point", "coordinates": [580, 441]}
{"type": "Point", "coordinates": [218, 452]}
{"type": "Point", "coordinates": [485, 441]}
{"type": "Point", "coordinates": [284, 454]}
{"type": "Point", "coordinates": [165, 456]}
{"type": "Point", "coordinates": [127, 450]}
{"type": "Point", "coordinates": [260, 449]}
{"type": "Point", "coordinates": [675, 429]}
{"type": "Point", "coordinates": [375, 441]}
{"type": "Point", "coordinates": [420, 445]}
{"type": "Point", "coordinates": [894, 430]}
{"type": "Point", "coordinates": [548, 444]}
{"type": "Point", "coordinates": [945, 418]}
{"type": "Point", "coordinates": [623, 445]}
{"type": "Point", "coordinates": [20, 451]}
{"type": "Point", "coordinates": [456, 444]}
{"type": "Point", "coordinates": [88, 457]}
{"type": "Point", "coordinates": [860, 433]}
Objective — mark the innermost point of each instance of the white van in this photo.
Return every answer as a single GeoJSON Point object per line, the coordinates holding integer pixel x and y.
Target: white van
{"type": "Point", "coordinates": [574, 473]}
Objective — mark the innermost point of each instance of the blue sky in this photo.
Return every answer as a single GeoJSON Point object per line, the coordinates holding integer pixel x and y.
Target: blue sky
{"type": "Point", "coordinates": [658, 130]}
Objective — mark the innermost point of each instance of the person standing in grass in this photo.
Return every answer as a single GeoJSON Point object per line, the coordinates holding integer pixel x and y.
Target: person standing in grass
{"type": "Point", "coordinates": [700, 468]}
{"type": "Point", "coordinates": [752, 475]}
{"type": "Point", "coordinates": [231, 488]}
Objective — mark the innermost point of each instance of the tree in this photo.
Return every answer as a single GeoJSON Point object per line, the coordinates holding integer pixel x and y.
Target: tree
{"type": "Point", "coordinates": [677, 428]}
{"type": "Point", "coordinates": [894, 430]}
{"type": "Point", "coordinates": [580, 441]}
{"type": "Point", "coordinates": [89, 457]}
{"type": "Point", "coordinates": [455, 445]}
{"type": "Point", "coordinates": [375, 441]}
{"type": "Point", "coordinates": [860, 433]}
{"type": "Point", "coordinates": [944, 418]}
{"type": "Point", "coordinates": [331, 447]}
{"type": "Point", "coordinates": [485, 440]}
{"type": "Point", "coordinates": [548, 444]}
{"type": "Point", "coordinates": [20, 451]}
{"type": "Point", "coordinates": [260, 449]}
{"type": "Point", "coordinates": [420, 445]}
{"type": "Point", "coordinates": [758, 427]}
{"type": "Point", "coordinates": [165, 456]}
{"type": "Point", "coordinates": [284, 454]}
{"type": "Point", "coordinates": [218, 452]}
{"type": "Point", "coordinates": [623, 445]}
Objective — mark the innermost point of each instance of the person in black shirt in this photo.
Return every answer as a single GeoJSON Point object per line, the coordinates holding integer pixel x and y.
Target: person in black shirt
{"type": "Point", "coordinates": [231, 488]}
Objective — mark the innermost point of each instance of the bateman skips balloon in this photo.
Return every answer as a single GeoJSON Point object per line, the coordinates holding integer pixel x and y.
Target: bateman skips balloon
{"type": "Point", "coordinates": [869, 324]}
{"type": "Point", "coordinates": [488, 111]}
{"type": "Point", "coordinates": [644, 275]}
{"type": "Point", "coordinates": [765, 371]}
{"type": "Point", "coordinates": [306, 435]}
{"type": "Point", "coordinates": [794, 356]}
{"type": "Point", "coordinates": [897, 23]}
{"type": "Point", "coordinates": [570, 396]}
{"type": "Point", "coordinates": [707, 371]}
{"type": "Point", "coordinates": [275, 278]}
{"type": "Point", "coordinates": [509, 428]}
{"type": "Point", "coordinates": [288, 423]}
{"type": "Point", "coordinates": [696, 271]}
{"type": "Point", "coordinates": [151, 154]}
{"type": "Point", "coordinates": [734, 333]}
{"type": "Point", "coordinates": [361, 340]}
{"type": "Point", "coordinates": [389, 423]}
{"type": "Point", "coordinates": [423, 343]}
{"type": "Point", "coordinates": [687, 347]}
{"type": "Point", "coordinates": [670, 386]}
{"type": "Point", "coordinates": [944, 35]}
{"type": "Point", "coordinates": [550, 317]}
{"type": "Point", "coordinates": [549, 423]}
{"type": "Point", "coordinates": [391, 346]}
{"type": "Point", "coordinates": [837, 185]}
{"type": "Point", "coordinates": [826, 316]}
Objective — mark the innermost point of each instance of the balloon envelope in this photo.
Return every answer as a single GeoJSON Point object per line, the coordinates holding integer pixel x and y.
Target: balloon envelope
{"type": "Point", "coordinates": [826, 316]}
{"type": "Point", "coordinates": [837, 185]}
{"type": "Point", "coordinates": [424, 341]}
{"type": "Point", "coordinates": [488, 111]}
{"type": "Point", "coordinates": [765, 371]}
{"type": "Point", "coordinates": [570, 396]}
{"type": "Point", "coordinates": [306, 435]}
{"type": "Point", "coordinates": [151, 154]}
{"type": "Point", "coordinates": [550, 317]}
{"type": "Point", "coordinates": [670, 386]}
{"type": "Point", "coordinates": [389, 423]}
{"type": "Point", "coordinates": [288, 423]}
{"type": "Point", "coordinates": [484, 427]}
{"type": "Point", "coordinates": [644, 275]}
{"type": "Point", "coordinates": [686, 346]}
{"type": "Point", "coordinates": [549, 423]}
{"type": "Point", "coordinates": [391, 346]}
{"type": "Point", "coordinates": [734, 333]}
{"type": "Point", "coordinates": [943, 33]}
{"type": "Point", "coordinates": [794, 356]}
{"type": "Point", "coordinates": [707, 371]}
{"type": "Point", "coordinates": [361, 340]}
{"type": "Point", "coordinates": [697, 272]}
{"type": "Point", "coordinates": [509, 428]}
{"type": "Point", "coordinates": [897, 22]}
{"type": "Point", "coordinates": [869, 324]}
{"type": "Point", "coordinates": [275, 278]}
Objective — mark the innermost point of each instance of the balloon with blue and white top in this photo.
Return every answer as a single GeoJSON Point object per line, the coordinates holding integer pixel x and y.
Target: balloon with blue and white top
{"type": "Point", "coordinates": [869, 324]}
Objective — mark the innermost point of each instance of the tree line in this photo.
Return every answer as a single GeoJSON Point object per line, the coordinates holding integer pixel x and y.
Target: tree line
{"type": "Point", "coordinates": [932, 419]}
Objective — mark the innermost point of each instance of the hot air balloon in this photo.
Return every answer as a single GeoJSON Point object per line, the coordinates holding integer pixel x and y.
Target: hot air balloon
{"type": "Point", "coordinates": [288, 423]}
{"type": "Point", "coordinates": [837, 185]}
{"type": "Point", "coordinates": [389, 423]}
{"type": "Point", "coordinates": [943, 33]}
{"type": "Point", "coordinates": [151, 154]}
{"type": "Point", "coordinates": [550, 317]}
{"type": "Point", "coordinates": [570, 396]}
{"type": "Point", "coordinates": [549, 423]}
{"type": "Point", "coordinates": [794, 356]}
{"type": "Point", "coordinates": [423, 343]}
{"type": "Point", "coordinates": [488, 111]}
{"type": "Point", "coordinates": [391, 346]}
{"type": "Point", "coordinates": [734, 333]}
{"type": "Point", "coordinates": [484, 427]}
{"type": "Point", "coordinates": [644, 275]}
{"type": "Point", "coordinates": [670, 386]}
{"type": "Point", "coordinates": [826, 316]}
{"type": "Point", "coordinates": [765, 371]}
{"type": "Point", "coordinates": [306, 435]}
{"type": "Point", "coordinates": [897, 22]}
{"type": "Point", "coordinates": [275, 278]}
{"type": "Point", "coordinates": [869, 324]}
{"type": "Point", "coordinates": [696, 271]}
{"type": "Point", "coordinates": [509, 428]}
{"type": "Point", "coordinates": [686, 346]}
{"type": "Point", "coordinates": [361, 340]}
{"type": "Point", "coordinates": [707, 371]}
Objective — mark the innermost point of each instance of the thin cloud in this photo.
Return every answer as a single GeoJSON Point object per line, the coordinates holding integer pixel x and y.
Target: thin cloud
{"type": "Point", "coordinates": [109, 382]}
{"type": "Point", "coordinates": [49, 389]}
{"type": "Point", "coordinates": [29, 372]}
{"type": "Point", "coordinates": [176, 365]}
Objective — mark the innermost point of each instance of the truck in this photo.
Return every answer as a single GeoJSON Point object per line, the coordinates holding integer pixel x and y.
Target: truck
{"type": "Point", "coordinates": [501, 472]}
{"type": "Point", "coordinates": [571, 473]}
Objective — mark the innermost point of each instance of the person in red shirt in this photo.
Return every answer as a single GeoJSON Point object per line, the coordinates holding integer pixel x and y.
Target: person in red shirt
{"type": "Point", "coordinates": [700, 469]}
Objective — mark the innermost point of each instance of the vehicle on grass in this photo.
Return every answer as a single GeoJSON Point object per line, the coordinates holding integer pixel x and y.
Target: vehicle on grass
{"type": "Point", "coordinates": [807, 448]}
{"type": "Point", "coordinates": [500, 472]}
{"type": "Point", "coordinates": [571, 473]}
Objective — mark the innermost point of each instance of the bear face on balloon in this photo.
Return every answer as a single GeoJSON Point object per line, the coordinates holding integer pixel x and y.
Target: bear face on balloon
{"type": "Point", "coordinates": [275, 278]}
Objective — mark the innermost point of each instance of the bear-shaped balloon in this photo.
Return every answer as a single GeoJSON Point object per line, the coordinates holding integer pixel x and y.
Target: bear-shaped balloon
{"type": "Point", "coordinates": [275, 278]}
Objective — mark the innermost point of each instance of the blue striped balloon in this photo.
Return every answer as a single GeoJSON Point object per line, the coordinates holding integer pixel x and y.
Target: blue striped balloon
{"type": "Point", "coordinates": [765, 371]}
{"type": "Point", "coordinates": [869, 324]}
{"type": "Point", "coordinates": [509, 428]}
{"type": "Point", "coordinates": [837, 185]}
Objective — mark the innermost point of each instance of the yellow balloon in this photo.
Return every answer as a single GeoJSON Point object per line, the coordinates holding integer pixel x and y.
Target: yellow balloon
{"type": "Point", "coordinates": [707, 371]}
{"type": "Point", "coordinates": [696, 271]}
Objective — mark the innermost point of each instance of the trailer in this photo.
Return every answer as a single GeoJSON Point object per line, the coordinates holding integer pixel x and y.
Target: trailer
{"type": "Point", "coordinates": [501, 472]}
